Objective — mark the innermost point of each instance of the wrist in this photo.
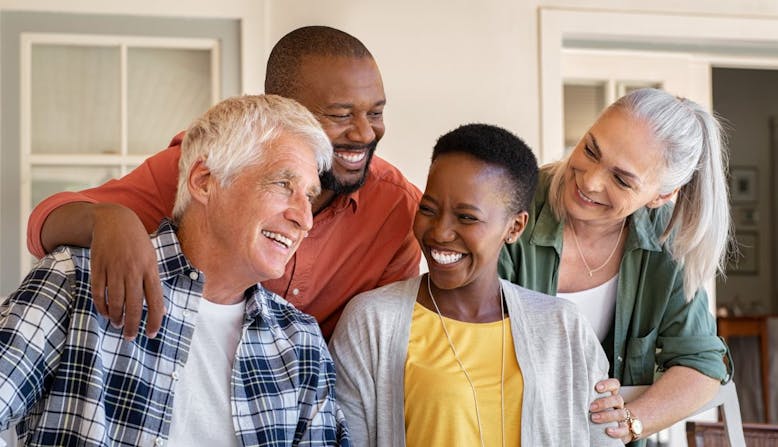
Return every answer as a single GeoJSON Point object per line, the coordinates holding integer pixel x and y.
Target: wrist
{"type": "Point", "coordinates": [634, 425]}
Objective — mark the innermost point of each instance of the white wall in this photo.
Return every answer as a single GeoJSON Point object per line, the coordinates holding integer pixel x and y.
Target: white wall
{"type": "Point", "coordinates": [444, 62]}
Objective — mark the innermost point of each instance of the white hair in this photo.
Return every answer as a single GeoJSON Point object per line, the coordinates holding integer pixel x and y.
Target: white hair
{"type": "Point", "coordinates": [695, 161]}
{"type": "Point", "coordinates": [234, 134]}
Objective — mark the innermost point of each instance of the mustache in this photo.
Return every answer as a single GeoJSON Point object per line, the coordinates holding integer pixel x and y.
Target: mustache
{"type": "Point", "coordinates": [356, 147]}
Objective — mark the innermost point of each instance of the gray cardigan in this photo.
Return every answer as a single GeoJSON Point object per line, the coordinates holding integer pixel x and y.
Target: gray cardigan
{"type": "Point", "coordinates": [558, 353]}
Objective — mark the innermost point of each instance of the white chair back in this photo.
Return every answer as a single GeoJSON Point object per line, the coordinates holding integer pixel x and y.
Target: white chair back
{"type": "Point", "coordinates": [726, 398]}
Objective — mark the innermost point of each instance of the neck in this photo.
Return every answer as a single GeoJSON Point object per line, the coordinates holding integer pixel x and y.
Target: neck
{"type": "Point", "coordinates": [322, 201]}
{"type": "Point", "coordinates": [482, 304]}
{"type": "Point", "coordinates": [223, 282]}
{"type": "Point", "coordinates": [596, 230]}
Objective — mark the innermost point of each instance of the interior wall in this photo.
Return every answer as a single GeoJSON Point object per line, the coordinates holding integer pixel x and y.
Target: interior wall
{"type": "Point", "coordinates": [746, 99]}
{"type": "Point", "coordinates": [444, 63]}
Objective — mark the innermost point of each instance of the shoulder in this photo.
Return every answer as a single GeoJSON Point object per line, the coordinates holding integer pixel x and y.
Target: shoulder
{"type": "Point", "coordinates": [386, 299]}
{"type": "Point", "coordinates": [385, 177]}
{"type": "Point", "coordinates": [52, 283]}
{"type": "Point", "coordinates": [540, 309]}
{"type": "Point", "coordinates": [291, 320]}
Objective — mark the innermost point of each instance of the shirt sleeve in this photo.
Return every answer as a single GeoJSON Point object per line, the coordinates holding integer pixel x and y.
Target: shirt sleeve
{"type": "Point", "coordinates": [149, 190]}
{"type": "Point", "coordinates": [33, 326]}
{"type": "Point", "coordinates": [356, 380]}
{"type": "Point", "coordinates": [322, 421]}
{"type": "Point", "coordinates": [597, 371]}
{"type": "Point", "coordinates": [687, 337]}
{"type": "Point", "coordinates": [405, 262]}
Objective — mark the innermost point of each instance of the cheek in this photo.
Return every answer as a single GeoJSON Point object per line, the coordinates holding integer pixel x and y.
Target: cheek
{"type": "Point", "coordinates": [379, 129]}
{"type": "Point", "coordinates": [418, 227]}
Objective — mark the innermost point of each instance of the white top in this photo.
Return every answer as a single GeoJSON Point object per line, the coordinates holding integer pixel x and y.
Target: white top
{"type": "Point", "coordinates": [598, 304]}
{"type": "Point", "coordinates": [202, 413]}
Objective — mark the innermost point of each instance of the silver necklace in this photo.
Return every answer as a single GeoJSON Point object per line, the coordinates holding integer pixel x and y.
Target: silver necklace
{"type": "Point", "coordinates": [610, 256]}
{"type": "Point", "coordinates": [464, 370]}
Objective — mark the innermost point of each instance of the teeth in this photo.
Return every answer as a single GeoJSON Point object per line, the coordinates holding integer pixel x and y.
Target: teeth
{"type": "Point", "coordinates": [351, 157]}
{"type": "Point", "coordinates": [581, 195]}
{"type": "Point", "coordinates": [447, 257]}
{"type": "Point", "coordinates": [281, 239]}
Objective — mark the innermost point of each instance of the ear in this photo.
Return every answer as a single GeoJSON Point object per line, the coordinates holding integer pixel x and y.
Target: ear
{"type": "Point", "coordinates": [516, 226]}
{"type": "Point", "coordinates": [661, 199]}
{"type": "Point", "coordinates": [199, 181]}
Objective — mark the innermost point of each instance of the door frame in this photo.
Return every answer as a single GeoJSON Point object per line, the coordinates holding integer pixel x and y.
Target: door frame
{"type": "Point", "coordinates": [719, 39]}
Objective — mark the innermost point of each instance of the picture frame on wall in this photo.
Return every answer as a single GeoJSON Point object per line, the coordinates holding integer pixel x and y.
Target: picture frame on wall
{"type": "Point", "coordinates": [746, 261]}
{"type": "Point", "coordinates": [743, 184]}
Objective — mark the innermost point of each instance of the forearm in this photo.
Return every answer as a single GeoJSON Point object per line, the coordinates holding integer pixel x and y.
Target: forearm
{"type": "Point", "coordinates": [70, 224]}
{"type": "Point", "coordinates": [676, 395]}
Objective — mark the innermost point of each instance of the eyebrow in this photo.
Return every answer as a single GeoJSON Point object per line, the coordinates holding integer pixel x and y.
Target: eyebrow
{"type": "Point", "coordinates": [616, 169]}
{"type": "Point", "coordinates": [348, 105]}
{"type": "Point", "coordinates": [459, 206]}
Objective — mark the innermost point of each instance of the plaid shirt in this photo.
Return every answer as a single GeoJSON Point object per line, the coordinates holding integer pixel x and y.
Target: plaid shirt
{"type": "Point", "coordinates": [70, 379]}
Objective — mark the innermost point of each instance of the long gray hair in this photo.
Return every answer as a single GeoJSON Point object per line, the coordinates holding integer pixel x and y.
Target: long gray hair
{"type": "Point", "coordinates": [696, 162]}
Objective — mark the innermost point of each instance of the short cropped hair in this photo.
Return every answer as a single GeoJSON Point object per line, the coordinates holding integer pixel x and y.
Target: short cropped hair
{"type": "Point", "coordinates": [281, 76]}
{"type": "Point", "coordinates": [498, 147]}
{"type": "Point", "coordinates": [235, 133]}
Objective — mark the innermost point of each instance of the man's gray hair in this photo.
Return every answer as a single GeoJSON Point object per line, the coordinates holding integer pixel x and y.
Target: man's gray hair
{"type": "Point", "coordinates": [235, 133]}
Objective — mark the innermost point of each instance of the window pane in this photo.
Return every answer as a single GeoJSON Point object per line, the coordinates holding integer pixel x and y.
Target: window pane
{"type": "Point", "coordinates": [627, 87]}
{"type": "Point", "coordinates": [75, 99]}
{"type": "Point", "coordinates": [583, 104]}
{"type": "Point", "coordinates": [166, 90]}
{"type": "Point", "coordinates": [47, 180]}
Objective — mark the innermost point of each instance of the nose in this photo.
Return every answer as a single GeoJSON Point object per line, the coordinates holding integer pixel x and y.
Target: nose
{"type": "Point", "coordinates": [299, 212]}
{"type": "Point", "coordinates": [592, 180]}
{"type": "Point", "coordinates": [442, 230]}
{"type": "Point", "coordinates": [361, 131]}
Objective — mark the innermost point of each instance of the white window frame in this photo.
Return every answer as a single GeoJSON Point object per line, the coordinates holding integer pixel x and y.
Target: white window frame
{"type": "Point", "coordinates": [123, 160]}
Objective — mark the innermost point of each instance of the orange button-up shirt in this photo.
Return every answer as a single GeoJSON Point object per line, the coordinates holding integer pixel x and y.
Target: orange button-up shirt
{"type": "Point", "coordinates": [359, 242]}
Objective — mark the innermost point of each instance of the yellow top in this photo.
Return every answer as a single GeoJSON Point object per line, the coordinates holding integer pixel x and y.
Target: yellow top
{"type": "Point", "coordinates": [439, 405]}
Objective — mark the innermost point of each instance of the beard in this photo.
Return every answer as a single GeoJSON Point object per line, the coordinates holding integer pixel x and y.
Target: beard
{"type": "Point", "coordinates": [330, 182]}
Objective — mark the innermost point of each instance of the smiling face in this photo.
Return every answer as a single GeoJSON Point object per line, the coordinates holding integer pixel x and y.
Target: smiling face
{"type": "Point", "coordinates": [260, 218]}
{"type": "Point", "coordinates": [463, 221]}
{"type": "Point", "coordinates": [347, 97]}
{"type": "Point", "coordinates": [613, 171]}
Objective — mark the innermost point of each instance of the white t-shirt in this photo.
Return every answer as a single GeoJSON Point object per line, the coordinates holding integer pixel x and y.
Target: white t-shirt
{"type": "Point", "coordinates": [598, 304]}
{"type": "Point", "coordinates": [202, 409]}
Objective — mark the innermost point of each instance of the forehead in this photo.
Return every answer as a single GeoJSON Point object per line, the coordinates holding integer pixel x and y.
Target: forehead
{"type": "Point", "coordinates": [339, 79]}
{"type": "Point", "coordinates": [291, 154]}
{"type": "Point", "coordinates": [465, 175]}
{"type": "Point", "coordinates": [628, 143]}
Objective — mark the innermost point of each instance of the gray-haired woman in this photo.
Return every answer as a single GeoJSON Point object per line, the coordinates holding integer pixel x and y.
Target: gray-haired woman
{"type": "Point", "coordinates": [631, 226]}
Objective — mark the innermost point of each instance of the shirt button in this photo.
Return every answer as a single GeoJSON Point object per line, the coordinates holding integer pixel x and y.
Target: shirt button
{"type": "Point", "coordinates": [174, 375]}
{"type": "Point", "coordinates": [185, 314]}
{"type": "Point", "coordinates": [194, 275]}
{"type": "Point", "coordinates": [619, 358]}
{"type": "Point", "coordinates": [159, 442]}
{"type": "Point", "coordinates": [296, 292]}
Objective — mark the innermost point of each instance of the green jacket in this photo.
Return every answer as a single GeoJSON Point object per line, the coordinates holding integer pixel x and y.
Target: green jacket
{"type": "Point", "coordinates": [654, 327]}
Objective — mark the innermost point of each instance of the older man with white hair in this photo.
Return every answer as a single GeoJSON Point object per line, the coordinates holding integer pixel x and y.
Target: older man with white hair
{"type": "Point", "coordinates": [233, 363]}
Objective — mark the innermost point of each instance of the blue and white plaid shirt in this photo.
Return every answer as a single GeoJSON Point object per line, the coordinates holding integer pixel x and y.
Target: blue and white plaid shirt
{"type": "Point", "coordinates": [68, 377]}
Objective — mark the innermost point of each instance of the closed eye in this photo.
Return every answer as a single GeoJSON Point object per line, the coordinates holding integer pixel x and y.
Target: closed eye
{"type": "Point", "coordinates": [426, 210]}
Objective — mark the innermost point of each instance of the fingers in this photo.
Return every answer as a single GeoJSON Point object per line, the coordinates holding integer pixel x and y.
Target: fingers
{"type": "Point", "coordinates": [115, 298]}
{"type": "Point", "coordinates": [607, 403]}
{"type": "Point", "coordinates": [156, 307]}
{"type": "Point", "coordinates": [608, 386]}
{"type": "Point", "coordinates": [133, 308]}
{"type": "Point", "coordinates": [98, 290]}
{"type": "Point", "coordinates": [620, 432]}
